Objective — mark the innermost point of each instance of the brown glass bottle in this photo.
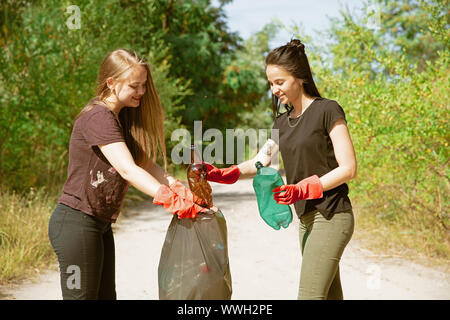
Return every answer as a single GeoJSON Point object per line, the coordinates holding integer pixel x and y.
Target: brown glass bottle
{"type": "Point", "coordinates": [197, 178]}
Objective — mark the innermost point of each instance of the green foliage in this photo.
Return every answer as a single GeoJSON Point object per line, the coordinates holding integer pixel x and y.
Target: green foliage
{"type": "Point", "coordinates": [48, 73]}
{"type": "Point", "coordinates": [203, 52]}
{"type": "Point", "coordinates": [246, 76]}
{"type": "Point", "coordinates": [200, 49]}
{"type": "Point", "coordinates": [410, 23]}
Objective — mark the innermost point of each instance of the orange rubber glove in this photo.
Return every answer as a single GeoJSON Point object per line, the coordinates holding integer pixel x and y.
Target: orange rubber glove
{"type": "Point", "coordinates": [177, 204]}
{"type": "Point", "coordinates": [227, 175]}
{"type": "Point", "coordinates": [185, 193]}
{"type": "Point", "coordinates": [307, 189]}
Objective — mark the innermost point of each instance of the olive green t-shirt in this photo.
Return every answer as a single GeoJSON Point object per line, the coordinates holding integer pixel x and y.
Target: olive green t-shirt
{"type": "Point", "coordinates": [306, 150]}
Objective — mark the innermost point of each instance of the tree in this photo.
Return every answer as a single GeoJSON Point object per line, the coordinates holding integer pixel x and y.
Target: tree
{"type": "Point", "coordinates": [48, 73]}
{"type": "Point", "coordinates": [411, 30]}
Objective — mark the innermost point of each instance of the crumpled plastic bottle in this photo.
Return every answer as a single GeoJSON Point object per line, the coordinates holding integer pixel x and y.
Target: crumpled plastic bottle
{"type": "Point", "coordinates": [274, 214]}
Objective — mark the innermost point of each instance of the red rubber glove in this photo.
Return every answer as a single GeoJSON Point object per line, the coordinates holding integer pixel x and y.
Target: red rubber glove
{"type": "Point", "coordinates": [307, 189]}
{"type": "Point", "coordinates": [227, 175]}
{"type": "Point", "coordinates": [177, 204]}
{"type": "Point", "coordinates": [185, 193]}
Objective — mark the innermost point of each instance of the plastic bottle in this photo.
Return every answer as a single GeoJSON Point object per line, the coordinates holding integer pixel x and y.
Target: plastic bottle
{"type": "Point", "coordinates": [196, 174]}
{"type": "Point", "coordinates": [274, 214]}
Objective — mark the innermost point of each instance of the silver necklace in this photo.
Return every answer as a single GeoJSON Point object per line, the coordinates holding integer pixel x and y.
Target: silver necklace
{"type": "Point", "coordinates": [299, 117]}
{"type": "Point", "coordinates": [294, 125]}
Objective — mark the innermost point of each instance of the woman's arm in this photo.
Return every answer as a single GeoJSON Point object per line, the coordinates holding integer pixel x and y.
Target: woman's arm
{"type": "Point", "coordinates": [158, 173]}
{"type": "Point", "coordinates": [345, 156]}
{"type": "Point", "coordinates": [247, 169]}
{"type": "Point", "coordinates": [121, 159]}
{"type": "Point", "coordinates": [264, 155]}
{"type": "Point", "coordinates": [175, 198]}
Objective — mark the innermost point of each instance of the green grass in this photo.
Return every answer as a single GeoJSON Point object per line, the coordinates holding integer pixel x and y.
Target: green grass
{"type": "Point", "coordinates": [24, 244]}
{"type": "Point", "coordinates": [409, 236]}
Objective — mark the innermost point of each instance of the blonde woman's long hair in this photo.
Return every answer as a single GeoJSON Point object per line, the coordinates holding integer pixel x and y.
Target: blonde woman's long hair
{"type": "Point", "coordinates": [143, 126]}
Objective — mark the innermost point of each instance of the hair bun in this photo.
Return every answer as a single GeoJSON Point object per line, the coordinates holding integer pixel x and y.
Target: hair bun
{"type": "Point", "coordinates": [297, 44]}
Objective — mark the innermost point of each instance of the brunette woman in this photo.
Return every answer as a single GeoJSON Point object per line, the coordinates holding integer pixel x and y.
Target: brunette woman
{"type": "Point", "coordinates": [319, 159]}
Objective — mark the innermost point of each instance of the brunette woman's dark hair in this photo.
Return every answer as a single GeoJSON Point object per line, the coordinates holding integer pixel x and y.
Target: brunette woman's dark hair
{"type": "Point", "coordinates": [292, 58]}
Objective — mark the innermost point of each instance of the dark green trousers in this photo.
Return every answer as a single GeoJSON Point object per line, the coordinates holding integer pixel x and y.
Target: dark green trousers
{"type": "Point", "coordinates": [85, 250]}
{"type": "Point", "coordinates": [322, 243]}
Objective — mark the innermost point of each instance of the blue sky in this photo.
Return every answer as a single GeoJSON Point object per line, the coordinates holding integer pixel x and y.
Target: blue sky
{"type": "Point", "coordinates": [249, 16]}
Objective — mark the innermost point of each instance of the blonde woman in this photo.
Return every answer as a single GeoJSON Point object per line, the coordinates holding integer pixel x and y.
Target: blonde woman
{"type": "Point", "coordinates": [115, 141]}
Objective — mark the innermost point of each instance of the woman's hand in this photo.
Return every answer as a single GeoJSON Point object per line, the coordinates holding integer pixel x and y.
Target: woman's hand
{"type": "Point", "coordinates": [227, 175]}
{"type": "Point", "coordinates": [185, 193]}
{"type": "Point", "coordinates": [265, 156]}
{"type": "Point", "coordinates": [182, 203]}
{"type": "Point", "coordinates": [309, 188]}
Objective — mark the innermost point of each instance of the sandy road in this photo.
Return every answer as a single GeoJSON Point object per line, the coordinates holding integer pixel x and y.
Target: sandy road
{"type": "Point", "coordinates": [265, 264]}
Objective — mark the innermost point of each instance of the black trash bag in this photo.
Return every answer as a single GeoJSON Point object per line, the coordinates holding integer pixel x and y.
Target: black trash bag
{"type": "Point", "coordinates": [194, 259]}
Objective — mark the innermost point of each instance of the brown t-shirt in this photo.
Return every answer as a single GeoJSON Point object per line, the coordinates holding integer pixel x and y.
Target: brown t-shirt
{"type": "Point", "coordinates": [307, 150]}
{"type": "Point", "coordinates": [93, 186]}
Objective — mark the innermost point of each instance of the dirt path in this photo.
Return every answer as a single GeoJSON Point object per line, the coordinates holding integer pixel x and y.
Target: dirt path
{"type": "Point", "coordinates": [265, 264]}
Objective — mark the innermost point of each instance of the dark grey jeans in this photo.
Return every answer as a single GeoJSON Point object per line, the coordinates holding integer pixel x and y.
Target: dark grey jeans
{"type": "Point", "coordinates": [85, 250]}
{"type": "Point", "coordinates": [322, 243]}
